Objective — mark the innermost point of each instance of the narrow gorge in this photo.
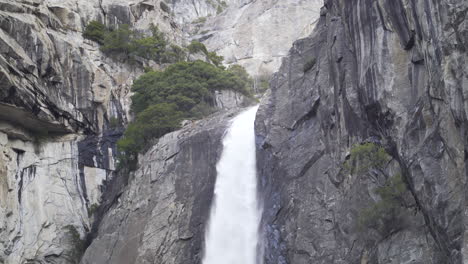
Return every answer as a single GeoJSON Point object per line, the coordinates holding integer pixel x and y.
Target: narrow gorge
{"type": "Point", "coordinates": [128, 131]}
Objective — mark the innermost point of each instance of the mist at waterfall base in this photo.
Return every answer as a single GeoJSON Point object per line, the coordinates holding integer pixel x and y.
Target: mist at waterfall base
{"type": "Point", "coordinates": [232, 235]}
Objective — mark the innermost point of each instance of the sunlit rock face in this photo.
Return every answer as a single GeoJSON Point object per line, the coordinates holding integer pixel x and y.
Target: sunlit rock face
{"type": "Point", "coordinates": [258, 34]}
{"type": "Point", "coordinates": [393, 73]}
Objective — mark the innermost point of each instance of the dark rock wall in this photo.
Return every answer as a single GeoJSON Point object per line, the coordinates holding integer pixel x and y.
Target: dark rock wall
{"type": "Point", "coordinates": [390, 72]}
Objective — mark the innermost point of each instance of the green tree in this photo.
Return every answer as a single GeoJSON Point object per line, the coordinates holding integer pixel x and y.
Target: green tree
{"type": "Point", "coordinates": [196, 46]}
{"type": "Point", "coordinates": [365, 157]}
{"type": "Point", "coordinates": [242, 76]}
{"type": "Point", "coordinates": [96, 31]}
{"type": "Point", "coordinates": [174, 54]}
{"type": "Point", "coordinates": [216, 59]}
{"type": "Point", "coordinates": [118, 41]}
{"type": "Point", "coordinates": [151, 123]}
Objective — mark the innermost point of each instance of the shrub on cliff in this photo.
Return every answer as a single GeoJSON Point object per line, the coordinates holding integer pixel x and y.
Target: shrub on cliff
{"type": "Point", "coordinates": [126, 44]}
{"type": "Point", "coordinates": [195, 47]}
{"type": "Point", "coordinates": [118, 41]}
{"type": "Point", "coordinates": [96, 31]}
{"type": "Point", "coordinates": [386, 215]}
{"type": "Point", "coordinates": [365, 157]}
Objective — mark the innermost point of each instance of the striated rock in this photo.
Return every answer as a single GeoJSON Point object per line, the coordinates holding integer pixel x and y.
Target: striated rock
{"type": "Point", "coordinates": [161, 215]}
{"type": "Point", "coordinates": [41, 202]}
{"type": "Point", "coordinates": [258, 34]}
{"type": "Point", "coordinates": [389, 72]}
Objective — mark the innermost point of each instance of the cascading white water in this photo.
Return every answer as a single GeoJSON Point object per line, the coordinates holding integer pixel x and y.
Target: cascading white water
{"type": "Point", "coordinates": [232, 234]}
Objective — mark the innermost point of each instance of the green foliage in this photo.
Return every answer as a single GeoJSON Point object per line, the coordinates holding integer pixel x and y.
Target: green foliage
{"type": "Point", "coordinates": [151, 123]}
{"type": "Point", "coordinates": [365, 157]}
{"type": "Point", "coordinates": [219, 10]}
{"type": "Point", "coordinates": [114, 123]}
{"type": "Point", "coordinates": [200, 20]}
{"type": "Point", "coordinates": [263, 83]}
{"type": "Point", "coordinates": [174, 54]}
{"type": "Point", "coordinates": [127, 44]}
{"type": "Point", "coordinates": [118, 41]}
{"type": "Point", "coordinates": [387, 214]}
{"type": "Point", "coordinates": [92, 209]}
{"type": "Point", "coordinates": [215, 59]}
{"type": "Point", "coordinates": [76, 241]}
{"type": "Point", "coordinates": [96, 31]}
{"type": "Point", "coordinates": [309, 64]}
{"type": "Point", "coordinates": [195, 47]}
{"type": "Point", "coordinates": [240, 74]}
{"type": "Point", "coordinates": [161, 100]}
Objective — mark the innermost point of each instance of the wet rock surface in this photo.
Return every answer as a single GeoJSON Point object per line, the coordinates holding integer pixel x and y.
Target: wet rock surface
{"type": "Point", "coordinates": [389, 72]}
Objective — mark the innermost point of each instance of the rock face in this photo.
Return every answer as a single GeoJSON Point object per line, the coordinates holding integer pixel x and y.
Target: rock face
{"type": "Point", "coordinates": [161, 215]}
{"type": "Point", "coordinates": [389, 72]}
{"type": "Point", "coordinates": [58, 94]}
{"type": "Point", "coordinates": [258, 34]}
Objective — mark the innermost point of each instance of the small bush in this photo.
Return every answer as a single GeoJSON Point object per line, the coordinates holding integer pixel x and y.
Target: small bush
{"type": "Point", "coordinates": [95, 31]}
{"type": "Point", "coordinates": [387, 215]}
{"type": "Point", "coordinates": [92, 209]}
{"type": "Point", "coordinates": [118, 42]}
{"type": "Point", "coordinates": [200, 20]}
{"type": "Point", "coordinates": [365, 157]}
{"type": "Point", "coordinates": [76, 241]}
{"type": "Point", "coordinates": [195, 47]}
{"type": "Point", "coordinates": [309, 64]}
{"type": "Point", "coordinates": [219, 10]}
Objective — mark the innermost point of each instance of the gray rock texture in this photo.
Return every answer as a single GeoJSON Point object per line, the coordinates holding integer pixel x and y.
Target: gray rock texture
{"type": "Point", "coordinates": [390, 72]}
{"type": "Point", "coordinates": [63, 105]}
{"type": "Point", "coordinates": [161, 215]}
{"type": "Point", "coordinates": [58, 94]}
{"type": "Point", "coordinates": [258, 34]}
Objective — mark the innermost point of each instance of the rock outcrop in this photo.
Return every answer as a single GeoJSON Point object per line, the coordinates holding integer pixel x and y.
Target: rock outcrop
{"type": "Point", "coordinates": [161, 215]}
{"type": "Point", "coordinates": [393, 73]}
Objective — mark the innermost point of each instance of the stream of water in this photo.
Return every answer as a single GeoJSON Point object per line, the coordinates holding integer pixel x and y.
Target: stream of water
{"type": "Point", "coordinates": [232, 234]}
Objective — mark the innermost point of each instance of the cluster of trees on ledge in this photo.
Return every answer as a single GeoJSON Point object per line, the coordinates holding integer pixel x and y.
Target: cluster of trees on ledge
{"type": "Point", "coordinates": [162, 99]}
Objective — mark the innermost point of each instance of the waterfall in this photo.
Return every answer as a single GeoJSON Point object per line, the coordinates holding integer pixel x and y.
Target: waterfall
{"type": "Point", "coordinates": [232, 234]}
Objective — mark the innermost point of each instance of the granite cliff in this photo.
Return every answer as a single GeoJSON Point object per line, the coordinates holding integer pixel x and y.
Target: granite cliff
{"type": "Point", "coordinates": [389, 73]}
